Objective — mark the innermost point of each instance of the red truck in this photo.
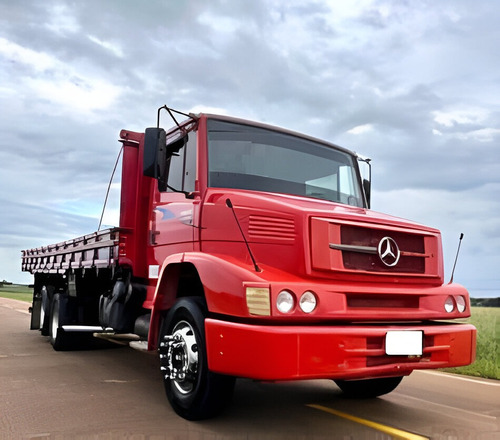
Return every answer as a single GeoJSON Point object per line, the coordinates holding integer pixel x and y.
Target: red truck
{"type": "Point", "coordinates": [246, 250]}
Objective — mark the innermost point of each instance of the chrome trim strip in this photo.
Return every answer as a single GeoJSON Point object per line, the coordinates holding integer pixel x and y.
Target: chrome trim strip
{"type": "Point", "coordinates": [354, 248]}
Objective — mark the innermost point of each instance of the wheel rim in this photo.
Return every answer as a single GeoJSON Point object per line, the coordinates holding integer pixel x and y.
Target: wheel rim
{"type": "Point", "coordinates": [42, 305]}
{"type": "Point", "coordinates": [179, 357]}
{"type": "Point", "coordinates": [42, 315]}
{"type": "Point", "coordinates": [55, 321]}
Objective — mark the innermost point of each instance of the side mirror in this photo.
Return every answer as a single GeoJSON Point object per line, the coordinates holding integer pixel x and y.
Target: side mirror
{"type": "Point", "coordinates": [157, 154]}
{"type": "Point", "coordinates": [366, 170]}
{"type": "Point", "coordinates": [368, 190]}
{"type": "Point", "coordinates": [154, 152]}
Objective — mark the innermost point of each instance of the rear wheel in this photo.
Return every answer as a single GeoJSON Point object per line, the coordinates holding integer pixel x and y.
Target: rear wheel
{"type": "Point", "coordinates": [58, 338]}
{"type": "Point", "coordinates": [368, 388]}
{"type": "Point", "coordinates": [194, 392]}
{"type": "Point", "coordinates": [44, 309]}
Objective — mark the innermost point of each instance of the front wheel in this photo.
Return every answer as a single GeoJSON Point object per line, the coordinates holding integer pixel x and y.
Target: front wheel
{"type": "Point", "coordinates": [368, 388]}
{"type": "Point", "coordinates": [194, 392]}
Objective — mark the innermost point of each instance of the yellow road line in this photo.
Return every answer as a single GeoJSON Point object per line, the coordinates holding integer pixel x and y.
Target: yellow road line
{"type": "Point", "coordinates": [394, 432]}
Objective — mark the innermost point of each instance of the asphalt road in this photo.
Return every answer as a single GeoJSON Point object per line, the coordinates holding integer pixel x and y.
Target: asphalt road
{"type": "Point", "coordinates": [117, 393]}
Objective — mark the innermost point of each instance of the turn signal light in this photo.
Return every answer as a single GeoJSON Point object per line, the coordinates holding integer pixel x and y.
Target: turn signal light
{"type": "Point", "coordinates": [258, 301]}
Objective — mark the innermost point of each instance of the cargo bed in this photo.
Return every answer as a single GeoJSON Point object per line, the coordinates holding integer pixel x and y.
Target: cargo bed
{"type": "Point", "coordinates": [96, 250]}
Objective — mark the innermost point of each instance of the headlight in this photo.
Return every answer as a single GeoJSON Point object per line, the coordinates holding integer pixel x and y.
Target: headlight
{"type": "Point", "coordinates": [449, 304]}
{"type": "Point", "coordinates": [285, 301]}
{"type": "Point", "coordinates": [461, 303]}
{"type": "Point", "coordinates": [308, 302]}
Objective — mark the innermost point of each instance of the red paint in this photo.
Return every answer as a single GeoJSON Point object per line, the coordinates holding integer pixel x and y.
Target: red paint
{"type": "Point", "coordinates": [333, 351]}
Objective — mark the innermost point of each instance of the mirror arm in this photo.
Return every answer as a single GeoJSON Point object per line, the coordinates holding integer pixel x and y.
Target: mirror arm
{"type": "Point", "coordinates": [171, 188]}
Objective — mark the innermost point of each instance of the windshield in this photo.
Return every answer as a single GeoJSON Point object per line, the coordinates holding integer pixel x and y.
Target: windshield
{"type": "Point", "coordinates": [253, 158]}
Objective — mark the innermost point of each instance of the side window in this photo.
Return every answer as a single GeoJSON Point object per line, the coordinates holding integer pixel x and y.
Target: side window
{"type": "Point", "coordinates": [176, 170]}
{"type": "Point", "coordinates": [190, 163]}
{"type": "Point", "coordinates": [182, 167]}
{"type": "Point", "coordinates": [347, 187]}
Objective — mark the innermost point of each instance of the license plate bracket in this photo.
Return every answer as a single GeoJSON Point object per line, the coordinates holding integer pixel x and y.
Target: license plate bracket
{"type": "Point", "coordinates": [404, 342]}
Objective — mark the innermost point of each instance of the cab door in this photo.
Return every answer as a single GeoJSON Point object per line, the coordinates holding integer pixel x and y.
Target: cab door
{"type": "Point", "coordinates": [174, 219]}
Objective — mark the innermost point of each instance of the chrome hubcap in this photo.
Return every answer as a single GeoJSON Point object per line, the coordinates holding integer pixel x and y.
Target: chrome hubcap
{"type": "Point", "coordinates": [179, 357]}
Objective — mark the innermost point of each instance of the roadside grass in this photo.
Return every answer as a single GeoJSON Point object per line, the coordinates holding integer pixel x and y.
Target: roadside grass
{"type": "Point", "coordinates": [487, 322]}
{"type": "Point", "coordinates": [16, 291]}
{"type": "Point", "coordinates": [485, 319]}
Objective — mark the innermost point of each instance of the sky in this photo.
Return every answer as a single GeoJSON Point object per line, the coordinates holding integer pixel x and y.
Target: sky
{"type": "Point", "coordinates": [414, 85]}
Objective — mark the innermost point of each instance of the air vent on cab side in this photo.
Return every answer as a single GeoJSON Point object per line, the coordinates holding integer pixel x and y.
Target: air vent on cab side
{"type": "Point", "coordinates": [274, 229]}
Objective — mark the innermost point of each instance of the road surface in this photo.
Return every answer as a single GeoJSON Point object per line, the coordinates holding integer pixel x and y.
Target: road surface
{"type": "Point", "coordinates": [117, 393]}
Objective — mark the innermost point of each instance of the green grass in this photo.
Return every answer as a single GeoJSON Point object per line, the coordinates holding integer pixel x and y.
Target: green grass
{"type": "Point", "coordinates": [16, 291]}
{"type": "Point", "coordinates": [487, 322]}
{"type": "Point", "coordinates": [485, 319]}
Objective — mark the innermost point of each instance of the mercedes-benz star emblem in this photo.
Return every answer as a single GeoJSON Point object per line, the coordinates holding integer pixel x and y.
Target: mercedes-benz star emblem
{"type": "Point", "coordinates": [388, 251]}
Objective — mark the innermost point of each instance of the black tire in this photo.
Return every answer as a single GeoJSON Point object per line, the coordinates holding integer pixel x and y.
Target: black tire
{"type": "Point", "coordinates": [60, 340]}
{"type": "Point", "coordinates": [368, 388]}
{"type": "Point", "coordinates": [194, 392]}
{"type": "Point", "coordinates": [46, 293]}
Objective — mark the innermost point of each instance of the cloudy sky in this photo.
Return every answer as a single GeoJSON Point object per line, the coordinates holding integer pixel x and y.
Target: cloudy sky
{"type": "Point", "coordinates": [415, 85]}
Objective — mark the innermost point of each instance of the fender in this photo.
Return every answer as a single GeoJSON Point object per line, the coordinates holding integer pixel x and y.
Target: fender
{"type": "Point", "coordinates": [222, 278]}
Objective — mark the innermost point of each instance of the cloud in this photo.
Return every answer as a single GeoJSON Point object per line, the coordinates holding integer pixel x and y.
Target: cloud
{"type": "Point", "coordinates": [360, 129]}
{"type": "Point", "coordinates": [57, 86]}
{"type": "Point", "coordinates": [414, 86]}
{"type": "Point", "coordinates": [472, 212]}
{"type": "Point", "coordinates": [471, 124]}
{"type": "Point", "coordinates": [15, 53]}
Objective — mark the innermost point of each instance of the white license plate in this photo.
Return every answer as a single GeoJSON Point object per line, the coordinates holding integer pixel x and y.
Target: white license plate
{"type": "Point", "coordinates": [404, 342]}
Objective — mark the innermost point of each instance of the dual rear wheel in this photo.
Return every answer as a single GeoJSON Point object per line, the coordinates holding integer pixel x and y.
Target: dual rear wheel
{"type": "Point", "coordinates": [60, 340]}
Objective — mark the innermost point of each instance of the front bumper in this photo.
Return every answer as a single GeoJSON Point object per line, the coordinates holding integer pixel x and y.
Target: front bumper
{"type": "Point", "coordinates": [336, 352]}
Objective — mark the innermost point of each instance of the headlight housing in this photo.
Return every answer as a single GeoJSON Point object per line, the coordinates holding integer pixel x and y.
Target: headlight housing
{"type": "Point", "coordinates": [449, 304]}
{"type": "Point", "coordinates": [285, 302]}
{"type": "Point", "coordinates": [461, 303]}
{"type": "Point", "coordinates": [308, 302]}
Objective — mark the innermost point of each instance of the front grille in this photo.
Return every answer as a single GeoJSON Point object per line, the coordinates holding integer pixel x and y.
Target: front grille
{"type": "Point", "coordinates": [411, 245]}
{"type": "Point", "coordinates": [349, 247]}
